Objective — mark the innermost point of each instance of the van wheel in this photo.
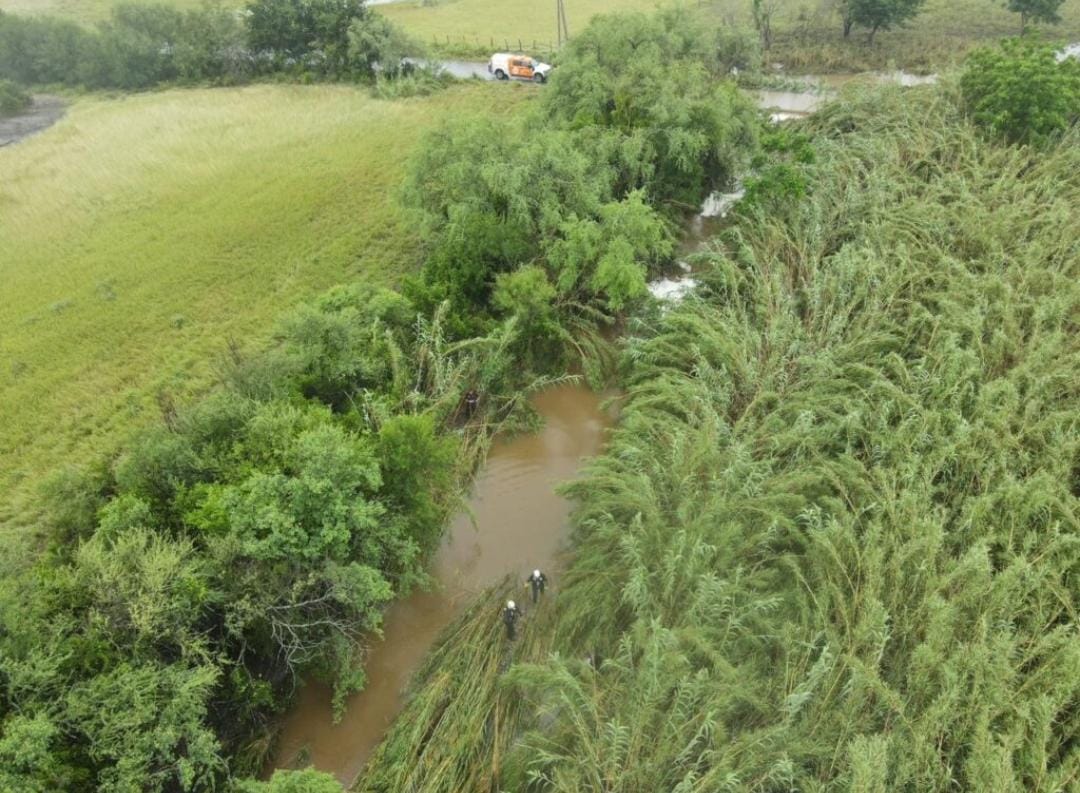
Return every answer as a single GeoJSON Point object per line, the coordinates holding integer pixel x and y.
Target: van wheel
{"type": "Point", "coordinates": [500, 74]}
{"type": "Point", "coordinates": [538, 78]}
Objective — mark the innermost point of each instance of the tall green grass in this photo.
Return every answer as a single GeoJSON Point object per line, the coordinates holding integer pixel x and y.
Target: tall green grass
{"type": "Point", "coordinates": [834, 542]}
{"type": "Point", "coordinates": [143, 235]}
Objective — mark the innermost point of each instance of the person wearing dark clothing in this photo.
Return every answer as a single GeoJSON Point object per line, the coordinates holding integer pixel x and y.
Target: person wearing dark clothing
{"type": "Point", "coordinates": [472, 400]}
{"type": "Point", "coordinates": [537, 581]}
{"type": "Point", "coordinates": [510, 617]}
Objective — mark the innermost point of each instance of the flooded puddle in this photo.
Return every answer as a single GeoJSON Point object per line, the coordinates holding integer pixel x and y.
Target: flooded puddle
{"type": "Point", "coordinates": [517, 523]}
{"type": "Point", "coordinates": [799, 102]}
{"type": "Point", "coordinates": [42, 114]}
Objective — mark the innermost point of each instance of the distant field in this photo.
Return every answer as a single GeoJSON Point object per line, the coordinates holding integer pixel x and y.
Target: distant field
{"type": "Point", "coordinates": [140, 234]}
{"type": "Point", "coordinates": [808, 35]}
{"type": "Point", "coordinates": [85, 10]}
{"type": "Point", "coordinates": [484, 24]}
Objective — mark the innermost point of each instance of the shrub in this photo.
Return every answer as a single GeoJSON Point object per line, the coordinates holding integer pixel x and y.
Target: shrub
{"type": "Point", "coordinates": [1021, 91]}
{"type": "Point", "coordinates": [13, 99]}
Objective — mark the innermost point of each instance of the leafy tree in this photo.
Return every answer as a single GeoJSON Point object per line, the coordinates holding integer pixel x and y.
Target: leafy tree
{"type": "Point", "coordinates": [311, 33]}
{"type": "Point", "coordinates": [418, 466]}
{"type": "Point", "coordinates": [682, 132]}
{"type": "Point", "coordinates": [1036, 11]}
{"type": "Point", "coordinates": [881, 14]}
{"type": "Point", "coordinates": [1021, 91]}
{"type": "Point", "coordinates": [376, 44]}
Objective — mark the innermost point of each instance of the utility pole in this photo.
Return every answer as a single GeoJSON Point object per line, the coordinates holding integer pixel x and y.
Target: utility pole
{"type": "Point", "coordinates": [560, 21]}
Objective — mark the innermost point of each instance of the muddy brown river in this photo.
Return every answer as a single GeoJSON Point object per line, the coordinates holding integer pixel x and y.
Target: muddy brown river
{"type": "Point", "coordinates": [517, 523]}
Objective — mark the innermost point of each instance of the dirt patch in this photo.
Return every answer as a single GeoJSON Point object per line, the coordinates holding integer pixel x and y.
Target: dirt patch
{"type": "Point", "coordinates": [45, 112]}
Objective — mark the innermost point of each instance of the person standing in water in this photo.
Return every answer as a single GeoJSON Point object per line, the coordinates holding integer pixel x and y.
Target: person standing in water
{"type": "Point", "coordinates": [472, 401]}
{"type": "Point", "coordinates": [537, 581]}
{"type": "Point", "coordinates": [510, 617]}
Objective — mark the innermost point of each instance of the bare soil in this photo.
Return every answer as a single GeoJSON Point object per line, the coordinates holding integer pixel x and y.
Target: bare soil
{"type": "Point", "coordinates": [42, 114]}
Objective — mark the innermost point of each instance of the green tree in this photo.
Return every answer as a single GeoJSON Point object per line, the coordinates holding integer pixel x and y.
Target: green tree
{"type": "Point", "coordinates": [313, 34]}
{"type": "Point", "coordinates": [679, 132]}
{"type": "Point", "coordinates": [1036, 11]}
{"type": "Point", "coordinates": [1021, 91]}
{"type": "Point", "coordinates": [377, 44]}
{"type": "Point", "coordinates": [882, 14]}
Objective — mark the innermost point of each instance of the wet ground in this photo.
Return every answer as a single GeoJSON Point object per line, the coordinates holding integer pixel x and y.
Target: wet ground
{"type": "Point", "coordinates": [518, 523]}
{"type": "Point", "coordinates": [45, 112]}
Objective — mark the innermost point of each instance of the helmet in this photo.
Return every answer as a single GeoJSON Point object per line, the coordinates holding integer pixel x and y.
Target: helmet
{"type": "Point", "coordinates": [536, 573]}
{"type": "Point", "coordinates": [510, 604]}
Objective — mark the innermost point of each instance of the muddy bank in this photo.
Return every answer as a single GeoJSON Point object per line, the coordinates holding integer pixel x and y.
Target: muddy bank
{"type": "Point", "coordinates": [517, 523]}
{"type": "Point", "coordinates": [45, 112]}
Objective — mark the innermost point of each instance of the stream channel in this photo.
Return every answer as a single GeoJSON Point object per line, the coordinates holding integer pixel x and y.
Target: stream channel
{"type": "Point", "coordinates": [515, 522]}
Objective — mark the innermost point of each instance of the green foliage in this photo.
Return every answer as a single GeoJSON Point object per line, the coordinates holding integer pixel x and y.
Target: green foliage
{"type": "Point", "coordinates": [781, 173]}
{"type": "Point", "coordinates": [1021, 91]}
{"type": "Point", "coordinates": [651, 79]}
{"type": "Point", "coordinates": [13, 99]}
{"type": "Point", "coordinates": [311, 34]}
{"type": "Point", "coordinates": [881, 14]}
{"type": "Point", "coordinates": [306, 781]}
{"type": "Point", "coordinates": [142, 45]}
{"type": "Point", "coordinates": [1036, 11]}
{"type": "Point", "coordinates": [375, 43]}
{"type": "Point", "coordinates": [417, 466]}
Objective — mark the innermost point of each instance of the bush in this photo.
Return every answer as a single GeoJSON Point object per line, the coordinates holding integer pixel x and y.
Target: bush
{"type": "Point", "coordinates": [143, 45]}
{"type": "Point", "coordinates": [13, 99]}
{"type": "Point", "coordinates": [1021, 91]}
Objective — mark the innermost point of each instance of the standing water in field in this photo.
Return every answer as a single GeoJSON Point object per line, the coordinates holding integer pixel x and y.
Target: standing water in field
{"type": "Point", "coordinates": [518, 523]}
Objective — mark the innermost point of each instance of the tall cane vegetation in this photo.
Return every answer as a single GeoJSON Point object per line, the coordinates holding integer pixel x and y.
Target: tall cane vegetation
{"type": "Point", "coordinates": [833, 544]}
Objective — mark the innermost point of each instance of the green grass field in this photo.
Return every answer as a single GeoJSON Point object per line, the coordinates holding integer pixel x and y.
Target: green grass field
{"type": "Point", "coordinates": [483, 25]}
{"type": "Point", "coordinates": [139, 235]}
{"type": "Point", "coordinates": [83, 10]}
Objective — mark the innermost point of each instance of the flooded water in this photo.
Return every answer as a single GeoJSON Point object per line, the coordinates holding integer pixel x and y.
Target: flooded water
{"type": "Point", "coordinates": [518, 523]}
{"type": "Point", "coordinates": [42, 114]}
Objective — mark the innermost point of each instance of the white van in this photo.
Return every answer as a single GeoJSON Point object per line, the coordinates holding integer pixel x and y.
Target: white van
{"type": "Point", "coordinates": [504, 65]}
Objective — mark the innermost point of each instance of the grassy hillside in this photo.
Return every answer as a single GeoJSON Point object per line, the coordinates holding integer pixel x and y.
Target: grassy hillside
{"type": "Point", "coordinates": [141, 234]}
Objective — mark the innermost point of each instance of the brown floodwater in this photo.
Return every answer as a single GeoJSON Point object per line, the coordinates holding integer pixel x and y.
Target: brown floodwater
{"type": "Point", "coordinates": [517, 523]}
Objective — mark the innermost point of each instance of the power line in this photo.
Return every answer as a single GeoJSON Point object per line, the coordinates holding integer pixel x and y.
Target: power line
{"type": "Point", "coordinates": [560, 21]}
